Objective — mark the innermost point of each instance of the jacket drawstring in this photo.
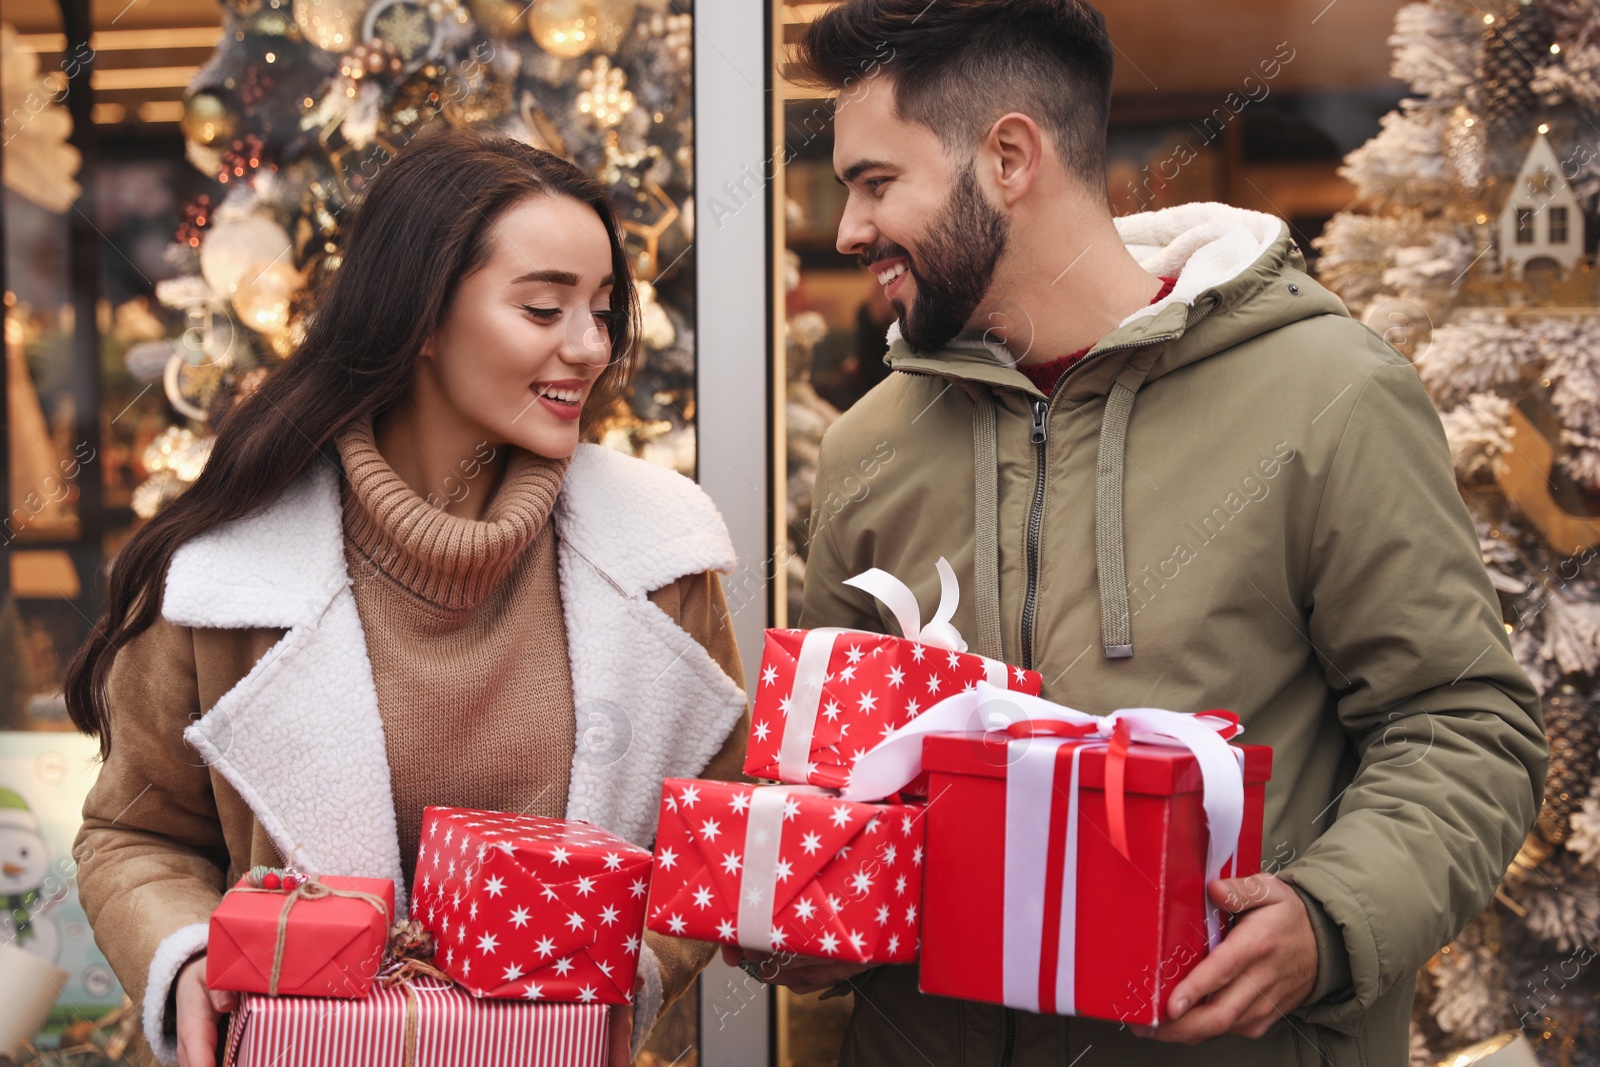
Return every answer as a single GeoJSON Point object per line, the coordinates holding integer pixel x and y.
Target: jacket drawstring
{"type": "Point", "coordinates": [986, 549]}
{"type": "Point", "coordinates": [1110, 538]}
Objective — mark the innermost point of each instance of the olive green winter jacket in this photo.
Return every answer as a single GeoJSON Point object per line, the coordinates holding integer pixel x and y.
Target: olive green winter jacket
{"type": "Point", "coordinates": [1240, 498]}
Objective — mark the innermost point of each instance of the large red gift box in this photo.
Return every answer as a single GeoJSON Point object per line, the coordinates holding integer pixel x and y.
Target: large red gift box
{"type": "Point", "coordinates": [332, 944]}
{"type": "Point", "coordinates": [1029, 901]}
{"type": "Point", "coordinates": [427, 1023]}
{"type": "Point", "coordinates": [527, 907]}
{"type": "Point", "coordinates": [826, 696]}
{"type": "Point", "coordinates": [788, 868]}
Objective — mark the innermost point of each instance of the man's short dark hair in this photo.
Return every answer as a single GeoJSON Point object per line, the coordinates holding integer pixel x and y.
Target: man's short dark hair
{"type": "Point", "coordinates": [959, 65]}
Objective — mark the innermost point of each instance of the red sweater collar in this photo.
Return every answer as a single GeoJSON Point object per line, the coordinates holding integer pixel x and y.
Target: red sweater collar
{"type": "Point", "coordinates": [1046, 375]}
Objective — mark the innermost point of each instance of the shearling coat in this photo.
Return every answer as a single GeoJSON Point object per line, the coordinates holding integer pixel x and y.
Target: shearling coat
{"type": "Point", "coordinates": [245, 727]}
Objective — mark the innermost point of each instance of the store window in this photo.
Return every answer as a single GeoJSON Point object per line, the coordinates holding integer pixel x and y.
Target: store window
{"type": "Point", "coordinates": [1525, 233]}
{"type": "Point", "coordinates": [1558, 225]}
{"type": "Point", "coordinates": [178, 177]}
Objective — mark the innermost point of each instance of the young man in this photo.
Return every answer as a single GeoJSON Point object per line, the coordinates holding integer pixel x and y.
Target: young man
{"type": "Point", "coordinates": [1170, 470]}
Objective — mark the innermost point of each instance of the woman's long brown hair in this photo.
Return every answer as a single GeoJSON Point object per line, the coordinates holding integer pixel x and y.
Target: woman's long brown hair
{"type": "Point", "coordinates": [423, 227]}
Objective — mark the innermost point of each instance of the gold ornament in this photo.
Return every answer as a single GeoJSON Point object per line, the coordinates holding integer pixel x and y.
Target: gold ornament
{"type": "Point", "coordinates": [499, 18]}
{"type": "Point", "coordinates": [331, 25]}
{"type": "Point", "coordinates": [614, 18]}
{"type": "Point", "coordinates": [263, 295]}
{"type": "Point", "coordinates": [1524, 474]}
{"type": "Point", "coordinates": [644, 227]}
{"type": "Point", "coordinates": [207, 120]}
{"type": "Point", "coordinates": [567, 28]}
{"type": "Point", "coordinates": [604, 100]}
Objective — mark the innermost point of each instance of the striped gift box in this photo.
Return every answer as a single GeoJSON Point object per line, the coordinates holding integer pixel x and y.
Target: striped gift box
{"type": "Point", "coordinates": [424, 1023]}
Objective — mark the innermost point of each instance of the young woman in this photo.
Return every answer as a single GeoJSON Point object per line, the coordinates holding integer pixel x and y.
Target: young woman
{"type": "Point", "coordinates": [401, 581]}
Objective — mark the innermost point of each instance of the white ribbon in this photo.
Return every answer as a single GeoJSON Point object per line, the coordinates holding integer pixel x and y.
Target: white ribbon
{"type": "Point", "coordinates": [816, 651]}
{"type": "Point", "coordinates": [758, 886]}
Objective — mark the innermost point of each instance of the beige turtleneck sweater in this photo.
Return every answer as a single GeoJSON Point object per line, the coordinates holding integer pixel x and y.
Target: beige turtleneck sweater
{"type": "Point", "coordinates": [468, 643]}
{"type": "Point", "coordinates": [465, 632]}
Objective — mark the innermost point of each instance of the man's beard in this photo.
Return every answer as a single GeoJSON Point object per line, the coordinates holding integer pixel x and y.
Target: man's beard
{"type": "Point", "coordinates": [957, 262]}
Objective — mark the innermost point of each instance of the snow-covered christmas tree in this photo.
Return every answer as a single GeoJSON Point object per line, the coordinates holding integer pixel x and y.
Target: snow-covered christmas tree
{"type": "Point", "coordinates": [1472, 249]}
{"type": "Point", "coordinates": [305, 101]}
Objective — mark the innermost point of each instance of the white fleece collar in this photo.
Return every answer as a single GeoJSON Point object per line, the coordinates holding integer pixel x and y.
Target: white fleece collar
{"type": "Point", "coordinates": [1202, 245]}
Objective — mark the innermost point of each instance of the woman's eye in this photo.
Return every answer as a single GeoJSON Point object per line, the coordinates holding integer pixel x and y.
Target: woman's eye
{"type": "Point", "coordinates": [603, 319]}
{"type": "Point", "coordinates": [546, 314]}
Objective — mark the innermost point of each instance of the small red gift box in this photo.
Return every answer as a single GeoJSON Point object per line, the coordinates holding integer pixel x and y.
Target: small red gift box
{"type": "Point", "coordinates": [332, 931]}
{"type": "Point", "coordinates": [1030, 902]}
{"type": "Point", "coordinates": [788, 868]}
{"type": "Point", "coordinates": [426, 1023]}
{"type": "Point", "coordinates": [826, 696]}
{"type": "Point", "coordinates": [527, 907]}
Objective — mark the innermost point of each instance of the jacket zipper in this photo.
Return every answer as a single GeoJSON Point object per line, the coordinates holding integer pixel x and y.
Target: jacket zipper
{"type": "Point", "coordinates": [1041, 411]}
{"type": "Point", "coordinates": [1041, 414]}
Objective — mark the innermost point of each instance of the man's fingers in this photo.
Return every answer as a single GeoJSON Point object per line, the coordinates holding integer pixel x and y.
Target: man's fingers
{"type": "Point", "coordinates": [1236, 895]}
{"type": "Point", "coordinates": [1212, 974]}
{"type": "Point", "coordinates": [1212, 1019]}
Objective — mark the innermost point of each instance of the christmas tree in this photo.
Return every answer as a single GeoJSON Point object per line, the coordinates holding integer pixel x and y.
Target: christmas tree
{"type": "Point", "coordinates": [305, 101]}
{"type": "Point", "coordinates": [1471, 248]}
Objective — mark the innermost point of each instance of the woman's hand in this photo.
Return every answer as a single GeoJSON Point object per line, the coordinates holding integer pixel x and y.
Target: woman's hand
{"type": "Point", "coordinates": [619, 1035]}
{"type": "Point", "coordinates": [802, 974]}
{"type": "Point", "coordinates": [199, 1011]}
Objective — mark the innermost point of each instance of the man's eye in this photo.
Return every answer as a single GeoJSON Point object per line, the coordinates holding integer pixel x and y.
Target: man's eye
{"type": "Point", "coordinates": [541, 313]}
{"type": "Point", "coordinates": [873, 183]}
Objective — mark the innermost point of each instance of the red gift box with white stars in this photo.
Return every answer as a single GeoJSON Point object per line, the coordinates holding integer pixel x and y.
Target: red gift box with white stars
{"type": "Point", "coordinates": [531, 908]}
{"type": "Point", "coordinates": [788, 868]}
{"type": "Point", "coordinates": [825, 696]}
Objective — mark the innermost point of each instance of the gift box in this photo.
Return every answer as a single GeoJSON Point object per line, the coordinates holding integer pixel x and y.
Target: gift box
{"type": "Point", "coordinates": [423, 1023]}
{"type": "Point", "coordinates": [528, 907]}
{"type": "Point", "coordinates": [320, 937]}
{"type": "Point", "coordinates": [826, 696]}
{"type": "Point", "coordinates": [1067, 874]}
{"type": "Point", "coordinates": [788, 868]}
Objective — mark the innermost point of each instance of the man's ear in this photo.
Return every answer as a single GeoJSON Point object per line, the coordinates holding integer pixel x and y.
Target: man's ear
{"type": "Point", "coordinates": [1012, 152]}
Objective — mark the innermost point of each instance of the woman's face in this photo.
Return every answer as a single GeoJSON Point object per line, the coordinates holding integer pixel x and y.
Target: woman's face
{"type": "Point", "coordinates": [527, 335]}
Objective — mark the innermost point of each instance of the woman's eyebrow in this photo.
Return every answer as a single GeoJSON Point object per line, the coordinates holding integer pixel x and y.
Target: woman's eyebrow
{"type": "Point", "coordinates": [556, 277]}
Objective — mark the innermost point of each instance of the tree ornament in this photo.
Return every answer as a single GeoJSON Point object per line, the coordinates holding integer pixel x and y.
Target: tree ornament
{"type": "Point", "coordinates": [1574, 732]}
{"type": "Point", "coordinates": [1516, 38]}
{"type": "Point", "coordinates": [604, 99]}
{"type": "Point", "coordinates": [613, 18]}
{"type": "Point", "coordinates": [232, 245]}
{"type": "Point", "coordinates": [331, 25]}
{"type": "Point", "coordinates": [566, 28]}
{"type": "Point", "coordinates": [207, 120]}
{"type": "Point", "coordinates": [263, 293]}
{"type": "Point", "coordinates": [406, 26]}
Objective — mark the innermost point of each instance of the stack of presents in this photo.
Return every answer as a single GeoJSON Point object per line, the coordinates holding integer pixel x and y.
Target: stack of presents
{"type": "Point", "coordinates": [929, 806]}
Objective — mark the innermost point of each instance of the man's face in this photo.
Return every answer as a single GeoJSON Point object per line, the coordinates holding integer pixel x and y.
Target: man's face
{"type": "Point", "coordinates": [917, 220]}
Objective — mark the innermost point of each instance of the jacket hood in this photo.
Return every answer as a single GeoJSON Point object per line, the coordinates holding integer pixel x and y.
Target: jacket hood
{"type": "Point", "coordinates": [1239, 274]}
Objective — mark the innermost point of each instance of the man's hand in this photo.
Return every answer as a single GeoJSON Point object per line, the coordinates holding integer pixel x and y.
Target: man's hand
{"type": "Point", "coordinates": [1265, 967]}
{"type": "Point", "coordinates": [199, 1010]}
{"type": "Point", "coordinates": [802, 974]}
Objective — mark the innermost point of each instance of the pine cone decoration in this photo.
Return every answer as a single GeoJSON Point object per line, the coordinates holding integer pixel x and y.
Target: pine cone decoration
{"type": "Point", "coordinates": [1573, 728]}
{"type": "Point", "coordinates": [1515, 45]}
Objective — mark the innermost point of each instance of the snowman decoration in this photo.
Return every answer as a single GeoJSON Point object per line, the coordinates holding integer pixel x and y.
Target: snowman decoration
{"type": "Point", "coordinates": [24, 864]}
